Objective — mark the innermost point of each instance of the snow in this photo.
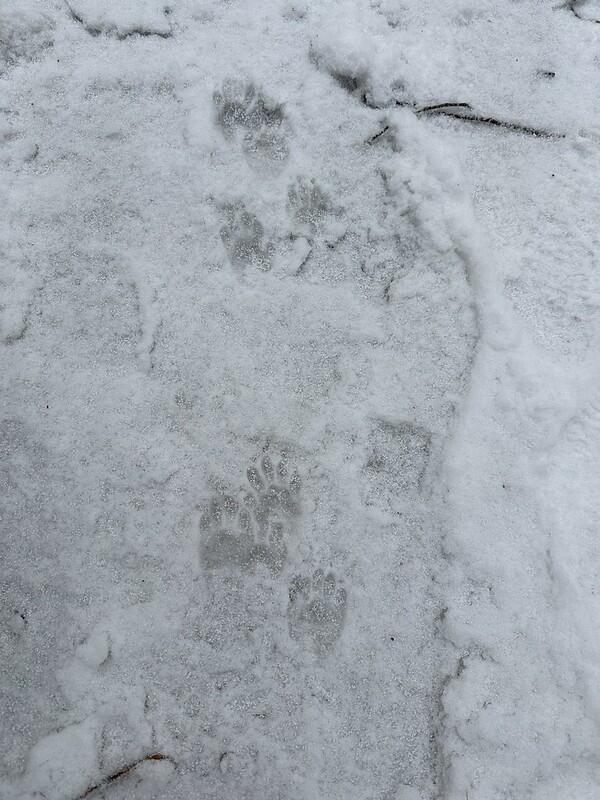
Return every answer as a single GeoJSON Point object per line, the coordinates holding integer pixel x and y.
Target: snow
{"type": "Point", "coordinates": [146, 17]}
{"type": "Point", "coordinates": [299, 312]}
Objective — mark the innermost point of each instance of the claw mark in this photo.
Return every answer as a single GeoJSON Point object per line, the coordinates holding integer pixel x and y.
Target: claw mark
{"type": "Point", "coordinates": [125, 771]}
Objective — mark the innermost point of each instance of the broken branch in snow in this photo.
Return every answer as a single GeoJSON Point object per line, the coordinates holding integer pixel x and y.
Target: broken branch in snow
{"type": "Point", "coordinates": [465, 113]}
{"type": "Point", "coordinates": [125, 771]}
{"type": "Point", "coordinates": [441, 107]}
{"type": "Point", "coordinates": [378, 135]}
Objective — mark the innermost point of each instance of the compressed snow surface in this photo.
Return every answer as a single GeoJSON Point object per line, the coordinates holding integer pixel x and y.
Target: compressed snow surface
{"type": "Point", "coordinates": [300, 430]}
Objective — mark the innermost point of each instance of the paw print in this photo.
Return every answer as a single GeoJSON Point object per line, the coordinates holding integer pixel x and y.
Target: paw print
{"type": "Point", "coordinates": [307, 203]}
{"type": "Point", "coordinates": [235, 106]}
{"type": "Point", "coordinates": [316, 611]}
{"type": "Point", "coordinates": [241, 106]}
{"type": "Point", "coordinates": [276, 489]}
{"type": "Point", "coordinates": [241, 534]}
{"type": "Point", "coordinates": [231, 540]}
{"type": "Point", "coordinates": [243, 237]}
{"type": "Point", "coordinates": [399, 454]}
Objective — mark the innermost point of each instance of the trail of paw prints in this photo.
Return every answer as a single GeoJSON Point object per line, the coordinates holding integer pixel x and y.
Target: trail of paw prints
{"type": "Point", "coordinates": [316, 611]}
{"type": "Point", "coordinates": [242, 109]}
{"type": "Point", "coordinates": [239, 535]}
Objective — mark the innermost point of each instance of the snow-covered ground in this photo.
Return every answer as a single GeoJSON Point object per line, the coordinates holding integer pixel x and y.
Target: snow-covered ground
{"type": "Point", "coordinates": [300, 423]}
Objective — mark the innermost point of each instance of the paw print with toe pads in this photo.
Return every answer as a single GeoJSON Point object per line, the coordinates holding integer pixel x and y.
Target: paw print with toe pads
{"type": "Point", "coordinates": [243, 237]}
{"type": "Point", "coordinates": [307, 202]}
{"type": "Point", "coordinates": [240, 534]}
{"type": "Point", "coordinates": [232, 541]}
{"type": "Point", "coordinates": [276, 488]}
{"type": "Point", "coordinates": [312, 213]}
{"type": "Point", "coordinates": [316, 610]}
{"type": "Point", "coordinates": [241, 107]}
{"type": "Point", "coordinates": [236, 106]}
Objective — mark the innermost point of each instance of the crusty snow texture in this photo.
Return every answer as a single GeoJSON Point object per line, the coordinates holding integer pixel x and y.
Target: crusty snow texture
{"type": "Point", "coordinates": [300, 424]}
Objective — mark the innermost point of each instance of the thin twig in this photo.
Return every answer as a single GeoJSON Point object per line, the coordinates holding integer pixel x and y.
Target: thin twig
{"type": "Point", "coordinates": [440, 107]}
{"type": "Point", "coordinates": [377, 135]}
{"type": "Point", "coordinates": [124, 771]}
{"type": "Point", "coordinates": [464, 112]}
{"type": "Point", "coordinates": [478, 119]}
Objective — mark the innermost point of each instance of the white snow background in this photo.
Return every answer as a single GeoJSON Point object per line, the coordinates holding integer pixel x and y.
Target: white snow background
{"type": "Point", "coordinates": [300, 419]}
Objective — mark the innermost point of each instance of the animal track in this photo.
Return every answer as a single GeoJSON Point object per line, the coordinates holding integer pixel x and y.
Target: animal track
{"type": "Point", "coordinates": [25, 33]}
{"type": "Point", "coordinates": [244, 239]}
{"type": "Point", "coordinates": [316, 610]}
{"type": "Point", "coordinates": [242, 107]}
{"type": "Point", "coordinates": [275, 488]}
{"type": "Point", "coordinates": [235, 541]}
{"type": "Point", "coordinates": [315, 221]}
{"type": "Point", "coordinates": [398, 456]}
{"type": "Point", "coordinates": [307, 203]}
{"type": "Point", "coordinates": [243, 534]}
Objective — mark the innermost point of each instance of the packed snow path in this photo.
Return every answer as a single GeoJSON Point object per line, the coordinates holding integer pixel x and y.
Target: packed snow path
{"type": "Point", "coordinates": [299, 314]}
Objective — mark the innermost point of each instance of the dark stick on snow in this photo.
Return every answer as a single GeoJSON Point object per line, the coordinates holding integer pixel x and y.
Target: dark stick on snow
{"type": "Point", "coordinates": [123, 772]}
{"type": "Point", "coordinates": [450, 110]}
{"type": "Point", "coordinates": [377, 135]}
